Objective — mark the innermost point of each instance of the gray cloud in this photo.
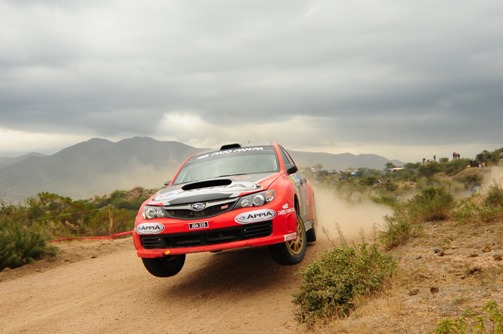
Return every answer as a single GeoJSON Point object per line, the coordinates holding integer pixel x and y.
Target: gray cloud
{"type": "Point", "coordinates": [363, 72]}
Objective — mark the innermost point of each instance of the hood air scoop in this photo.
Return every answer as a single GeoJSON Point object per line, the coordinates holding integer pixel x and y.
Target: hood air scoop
{"type": "Point", "coordinates": [207, 184]}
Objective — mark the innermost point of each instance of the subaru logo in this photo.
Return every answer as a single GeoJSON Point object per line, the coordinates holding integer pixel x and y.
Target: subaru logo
{"type": "Point", "coordinates": [198, 206]}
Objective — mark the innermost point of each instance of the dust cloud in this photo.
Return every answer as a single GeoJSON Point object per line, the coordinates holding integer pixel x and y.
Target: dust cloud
{"type": "Point", "coordinates": [138, 175]}
{"type": "Point", "coordinates": [145, 176]}
{"type": "Point", "coordinates": [495, 177]}
{"type": "Point", "coordinates": [352, 219]}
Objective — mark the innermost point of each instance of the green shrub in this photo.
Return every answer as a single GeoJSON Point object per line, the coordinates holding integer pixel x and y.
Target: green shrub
{"type": "Point", "coordinates": [399, 229]}
{"type": "Point", "coordinates": [494, 197]}
{"type": "Point", "coordinates": [331, 284]}
{"type": "Point", "coordinates": [100, 223]}
{"type": "Point", "coordinates": [429, 169]}
{"type": "Point", "coordinates": [468, 212]}
{"type": "Point", "coordinates": [431, 204]}
{"type": "Point", "coordinates": [386, 200]}
{"type": "Point", "coordinates": [455, 166]}
{"type": "Point", "coordinates": [20, 245]}
{"type": "Point", "coordinates": [390, 186]}
{"type": "Point", "coordinates": [490, 209]}
{"type": "Point", "coordinates": [368, 180]}
{"type": "Point", "coordinates": [491, 321]}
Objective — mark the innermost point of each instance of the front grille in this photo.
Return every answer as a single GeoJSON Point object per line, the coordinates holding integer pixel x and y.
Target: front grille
{"type": "Point", "coordinates": [209, 237]}
{"type": "Point", "coordinates": [213, 208]}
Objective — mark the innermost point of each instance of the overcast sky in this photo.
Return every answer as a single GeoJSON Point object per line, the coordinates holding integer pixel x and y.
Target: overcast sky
{"type": "Point", "coordinates": [405, 79]}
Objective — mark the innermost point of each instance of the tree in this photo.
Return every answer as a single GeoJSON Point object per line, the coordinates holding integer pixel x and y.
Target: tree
{"type": "Point", "coordinates": [390, 165]}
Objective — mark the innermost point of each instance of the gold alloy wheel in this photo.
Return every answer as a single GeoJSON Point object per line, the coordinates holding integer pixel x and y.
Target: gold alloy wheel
{"type": "Point", "coordinates": [296, 246]}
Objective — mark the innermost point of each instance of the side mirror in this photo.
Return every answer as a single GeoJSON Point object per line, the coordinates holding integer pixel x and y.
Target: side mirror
{"type": "Point", "coordinates": [290, 169]}
{"type": "Point", "coordinates": [167, 183]}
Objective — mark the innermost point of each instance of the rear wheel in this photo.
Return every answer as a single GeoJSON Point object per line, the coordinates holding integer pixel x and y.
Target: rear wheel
{"type": "Point", "coordinates": [165, 266]}
{"type": "Point", "coordinates": [311, 233]}
{"type": "Point", "coordinates": [293, 251]}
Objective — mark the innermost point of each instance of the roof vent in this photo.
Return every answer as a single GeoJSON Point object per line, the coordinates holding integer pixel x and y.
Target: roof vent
{"type": "Point", "coordinates": [230, 146]}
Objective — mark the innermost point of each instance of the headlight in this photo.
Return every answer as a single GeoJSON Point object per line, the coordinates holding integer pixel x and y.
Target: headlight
{"type": "Point", "coordinates": [151, 212]}
{"type": "Point", "coordinates": [257, 199]}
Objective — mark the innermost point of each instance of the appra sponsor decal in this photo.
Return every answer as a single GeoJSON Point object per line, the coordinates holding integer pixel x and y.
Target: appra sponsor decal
{"type": "Point", "coordinates": [149, 228]}
{"type": "Point", "coordinates": [255, 216]}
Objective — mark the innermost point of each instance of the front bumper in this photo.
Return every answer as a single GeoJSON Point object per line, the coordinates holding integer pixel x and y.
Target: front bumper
{"type": "Point", "coordinates": [255, 229]}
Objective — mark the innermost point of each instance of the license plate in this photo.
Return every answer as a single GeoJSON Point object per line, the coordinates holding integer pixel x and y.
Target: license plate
{"type": "Point", "coordinates": [194, 226]}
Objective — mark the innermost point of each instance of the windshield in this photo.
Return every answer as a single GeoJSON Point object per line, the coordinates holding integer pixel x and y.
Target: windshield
{"type": "Point", "coordinates": [249, 160]}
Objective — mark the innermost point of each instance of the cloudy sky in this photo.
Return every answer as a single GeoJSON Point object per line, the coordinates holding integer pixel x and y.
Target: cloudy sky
{"type": "Point", "coordinates": [405, 79]}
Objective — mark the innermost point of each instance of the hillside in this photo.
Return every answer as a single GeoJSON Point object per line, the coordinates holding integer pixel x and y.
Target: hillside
{"type": "Point", "coordinates": [9, 161]}
{"type": "Point", "coordinates": [95, 167]}
{"type": "Point", "coordinates": [99, 166]}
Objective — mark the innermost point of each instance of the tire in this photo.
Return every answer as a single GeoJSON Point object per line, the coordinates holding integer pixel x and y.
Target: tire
{"type": "Point", "coordinates": [293, 251]}
{"type": "Point", "coordinates": [165, 266]}
{"type": "Point", "coordinates": [311, 233]}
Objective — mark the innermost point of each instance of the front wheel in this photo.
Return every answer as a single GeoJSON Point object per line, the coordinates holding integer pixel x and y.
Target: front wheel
{"type": "Point", "coordinates": [293, 251]}
{"type": "Point", "coordinates": [165, 266]}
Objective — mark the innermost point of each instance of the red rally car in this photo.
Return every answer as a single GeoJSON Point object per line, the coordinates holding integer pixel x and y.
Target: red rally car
{"type": "Point", "coordinates": [231, 198]}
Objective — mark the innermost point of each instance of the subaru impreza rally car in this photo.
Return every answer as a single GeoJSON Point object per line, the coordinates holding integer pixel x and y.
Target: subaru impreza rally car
{"type": "Point", "coordinates": [231, 198]}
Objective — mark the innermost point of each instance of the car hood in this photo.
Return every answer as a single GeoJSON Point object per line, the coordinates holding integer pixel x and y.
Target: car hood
{"type": "Point", "coordinates": [213, 189]}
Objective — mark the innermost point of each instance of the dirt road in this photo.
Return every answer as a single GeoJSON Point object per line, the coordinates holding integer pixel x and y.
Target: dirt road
{"type": "Point", "coordinates": [109, 291]}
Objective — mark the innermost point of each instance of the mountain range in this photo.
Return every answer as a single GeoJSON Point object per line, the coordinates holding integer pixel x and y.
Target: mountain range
{"type": "Point", "coordinates": [99, 166]}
